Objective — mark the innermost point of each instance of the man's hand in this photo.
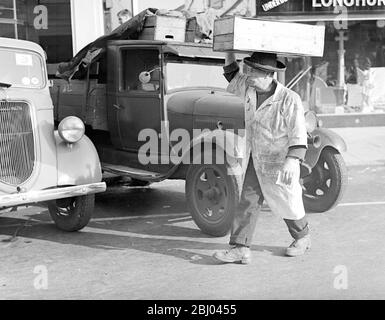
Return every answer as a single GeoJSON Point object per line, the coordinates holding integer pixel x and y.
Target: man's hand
{"type": "Point", "coordinates": [290, 171]}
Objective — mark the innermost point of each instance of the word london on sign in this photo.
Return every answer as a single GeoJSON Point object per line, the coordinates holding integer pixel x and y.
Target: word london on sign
{"type": "Point", "coordinates": [347, 3]}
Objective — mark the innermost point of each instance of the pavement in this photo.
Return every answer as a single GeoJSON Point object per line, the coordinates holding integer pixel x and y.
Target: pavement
{"type": "Point", "coordinates": [143, 244]}
{"type": "Point", "coordinates": [366, 145]}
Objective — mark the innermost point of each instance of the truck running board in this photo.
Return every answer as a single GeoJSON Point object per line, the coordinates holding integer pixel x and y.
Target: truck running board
{"type": "Point", "coordinates": [133, 172]}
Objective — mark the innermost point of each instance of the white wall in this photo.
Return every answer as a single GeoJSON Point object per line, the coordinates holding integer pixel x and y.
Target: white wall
{"type": "Point", "coordinates": [140, 5]}
{"type": "Point", "coordinates": [87, 22]}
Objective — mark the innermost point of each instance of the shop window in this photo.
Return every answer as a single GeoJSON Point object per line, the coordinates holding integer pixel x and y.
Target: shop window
{"type": "Point", "coordinates": [47, 23]}
{"type": "Point", "coordinates": [7, 30]}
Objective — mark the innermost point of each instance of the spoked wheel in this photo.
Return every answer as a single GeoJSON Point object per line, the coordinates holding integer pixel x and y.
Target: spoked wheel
{"type": "Point", "coordinates": [72, 214]}
{"type": "Point", "coordinates": [324, 187]}
{"type": "Point", "coordinates": [212, 195]}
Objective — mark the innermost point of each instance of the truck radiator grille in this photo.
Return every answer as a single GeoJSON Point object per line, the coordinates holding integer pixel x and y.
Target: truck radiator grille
{"type": "Point", "coordinates": [17, 147]}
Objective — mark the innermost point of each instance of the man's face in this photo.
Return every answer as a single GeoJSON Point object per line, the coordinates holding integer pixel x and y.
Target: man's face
{"type": "Point", "coordinates": [262, 80]}
{"type": "Point", "coordinates": [123, 19]}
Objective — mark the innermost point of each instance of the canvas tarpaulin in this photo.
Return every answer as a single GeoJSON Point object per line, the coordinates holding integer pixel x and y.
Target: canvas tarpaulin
{"type": "Point", "coordinates": [131, 31]}
{"type": "Point", "coordinates": [127, 31]}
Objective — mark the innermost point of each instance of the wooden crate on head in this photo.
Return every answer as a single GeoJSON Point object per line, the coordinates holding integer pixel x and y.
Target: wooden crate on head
{"type": "Point", "coordinates": [284, 38]}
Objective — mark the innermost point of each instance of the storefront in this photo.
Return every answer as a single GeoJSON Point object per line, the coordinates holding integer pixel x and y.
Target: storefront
{"type": "Point", "coordinates": [350, 77]}
{"type": "Point", "coordinates": [61, 27]}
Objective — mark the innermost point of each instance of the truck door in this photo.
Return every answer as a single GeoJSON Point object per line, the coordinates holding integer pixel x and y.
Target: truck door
{"type": "Point", "coordinates": [138, 105]}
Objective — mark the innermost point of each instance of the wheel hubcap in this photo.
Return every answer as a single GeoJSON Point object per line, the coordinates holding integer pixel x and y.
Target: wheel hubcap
{"type": "Point", "coordinates": [65, 207]}
{"type": "Point", "coordinates": [318, 183]}
{"type": "Point", "coordinates": [211, 194]}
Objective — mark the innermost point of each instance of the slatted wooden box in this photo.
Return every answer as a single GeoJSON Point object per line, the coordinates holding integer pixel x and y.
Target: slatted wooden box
{"type": "Point", "coordinates": [164, 28]}
{"type": "Point", "coordinates": [284, 38]}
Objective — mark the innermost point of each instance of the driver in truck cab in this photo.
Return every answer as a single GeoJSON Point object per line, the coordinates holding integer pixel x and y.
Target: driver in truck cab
{"type": "Point", "coordinates": [276, 144]}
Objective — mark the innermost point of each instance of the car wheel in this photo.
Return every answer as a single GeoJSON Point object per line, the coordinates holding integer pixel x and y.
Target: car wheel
{"type": "Point", "coordinates": [72, 214]}
{"type": "Point", "coordinates": [324, 187]}
{"type": "Point", "coordinates": [212, 196]}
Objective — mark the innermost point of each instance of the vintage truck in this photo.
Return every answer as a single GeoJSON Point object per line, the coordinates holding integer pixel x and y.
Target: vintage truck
{"type": "Point", "coordinates": [38, 164]}
{"type": "Point", "coordinates": [144, 95]}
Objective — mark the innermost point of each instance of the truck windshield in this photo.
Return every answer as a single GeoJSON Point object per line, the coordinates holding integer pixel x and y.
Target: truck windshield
{"type": "Point", "coordinates": [21, 69]}
{"type": "Point", "coordinates": [194, 74]}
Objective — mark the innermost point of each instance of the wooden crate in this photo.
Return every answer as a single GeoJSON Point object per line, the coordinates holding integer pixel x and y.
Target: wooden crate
{"type": "Point", "coordinates": [164, 28]}
{"type": "Point", "coordinates": [285, 38]}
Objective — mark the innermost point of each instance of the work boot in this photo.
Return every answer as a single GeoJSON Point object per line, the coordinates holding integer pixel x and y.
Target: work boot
{"type": "Point", "coordinates": [236, 254]}
{"type": "Point", "coordinates": [299, 247]}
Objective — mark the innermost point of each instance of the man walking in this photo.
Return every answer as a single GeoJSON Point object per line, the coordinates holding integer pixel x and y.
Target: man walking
{"type": "Point", "coordinates": [276, 144]}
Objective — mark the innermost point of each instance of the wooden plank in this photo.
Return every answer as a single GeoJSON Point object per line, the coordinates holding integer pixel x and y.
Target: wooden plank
{"type": "Point", "coordinates": [270, 36]}
{"type": "Point", "coordinates": [224, 42]}
{"type": "Point", "coordinates": [164, 28]}
{"type": "Point", "coordinates": [159, 21]}
{"type": "Point", "coordinates": [163, 33]}
{"type": "Point", "coordinates": [224, 26]}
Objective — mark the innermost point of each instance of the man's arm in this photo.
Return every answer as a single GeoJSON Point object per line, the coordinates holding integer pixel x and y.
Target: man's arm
{"type": "Point", "coordinates": [295, 120]}
{"type": "Point", "coordinates": [231, 67]}
{"type": "Point", "coordinates": [297, 152]}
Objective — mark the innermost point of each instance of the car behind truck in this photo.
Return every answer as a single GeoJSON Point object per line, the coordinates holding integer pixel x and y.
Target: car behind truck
{"type": "Point", "coordinates": [38, 164]}
{"type": "Point", "coordinates": [142, 87]}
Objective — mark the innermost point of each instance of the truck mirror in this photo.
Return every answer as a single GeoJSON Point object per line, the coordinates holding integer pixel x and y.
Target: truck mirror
{"type": "Point", "coordinates": [145, 77]}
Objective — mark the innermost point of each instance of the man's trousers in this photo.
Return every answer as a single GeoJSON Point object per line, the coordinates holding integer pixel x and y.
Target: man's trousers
{"type": "Point", "coordinates": [249, 209]}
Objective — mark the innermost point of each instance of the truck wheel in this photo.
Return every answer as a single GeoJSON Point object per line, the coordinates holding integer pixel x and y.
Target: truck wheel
{"type": "Point", "coordinates": [212, 196]}
{"type": "Point", "coordinates": [325, 186]}
{"type": "Point", "coordinates": [72, 214]}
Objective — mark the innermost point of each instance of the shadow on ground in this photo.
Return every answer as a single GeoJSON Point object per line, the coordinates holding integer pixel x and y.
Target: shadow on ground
{"type": "Point", "coordinates": [115, 229]}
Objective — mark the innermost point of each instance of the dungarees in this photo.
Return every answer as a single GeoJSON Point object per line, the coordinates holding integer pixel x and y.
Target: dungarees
{"type": "Point", "coordinates": [271, 129]}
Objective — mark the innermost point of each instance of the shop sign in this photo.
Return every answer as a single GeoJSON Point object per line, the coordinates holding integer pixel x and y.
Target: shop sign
{"type": "Point", "coordinates": [288, 7]}
{"type": "Point", "coordinates": [347, 3]}
{"type": "Point", "coordinates": [273, 4]}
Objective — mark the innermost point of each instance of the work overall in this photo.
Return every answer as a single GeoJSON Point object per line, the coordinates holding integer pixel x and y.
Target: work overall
{"type": "Point", "coordinates": [271, 129]}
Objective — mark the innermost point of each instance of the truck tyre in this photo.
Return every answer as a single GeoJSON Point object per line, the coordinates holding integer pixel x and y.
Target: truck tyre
{"type": "Point", "coordinates": [212, 195]}
{"type": "Point", "coordinates": [72, 214]}
{"type": "Point", "coordinates": [324, 187]}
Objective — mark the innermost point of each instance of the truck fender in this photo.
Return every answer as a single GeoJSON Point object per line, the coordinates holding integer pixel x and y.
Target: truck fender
{"type": "Point", "coordinates": [323, 138]}
{"type": "Point", "coordinates": [77, 163]}
{"type": "Point", "coordinates": [230, 145]}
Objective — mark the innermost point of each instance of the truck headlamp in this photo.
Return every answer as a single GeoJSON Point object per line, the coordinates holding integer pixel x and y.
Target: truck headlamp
{"type": "Point", "coordinates": [71, 129]}
{"type": "Point", "coordinates": [311, 121]}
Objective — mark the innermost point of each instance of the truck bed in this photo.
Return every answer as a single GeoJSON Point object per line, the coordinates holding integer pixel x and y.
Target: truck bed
{"type": "Point", "coordinates": [69, 99]}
